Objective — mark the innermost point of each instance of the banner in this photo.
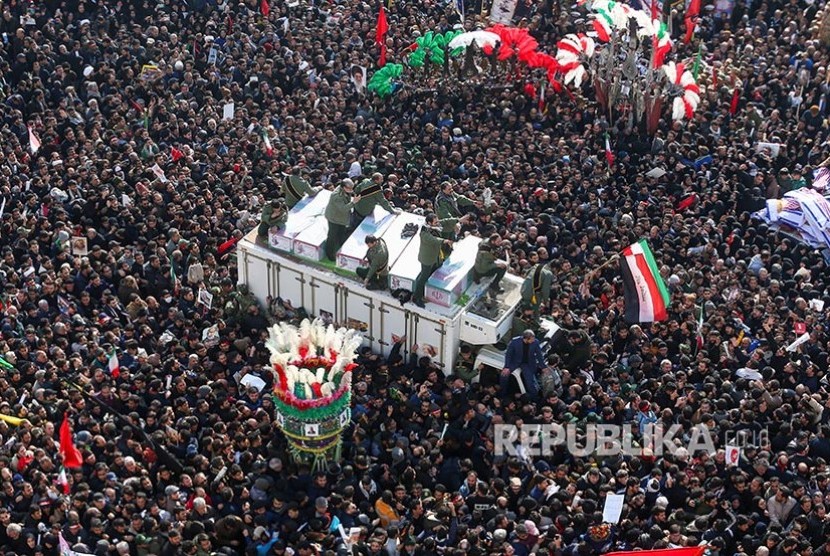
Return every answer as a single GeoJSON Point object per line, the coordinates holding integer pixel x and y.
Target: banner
{"type": "Point", "coordinates": [502, 11]}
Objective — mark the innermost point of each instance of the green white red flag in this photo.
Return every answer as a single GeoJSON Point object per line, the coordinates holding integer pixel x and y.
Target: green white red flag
{"type": "Point", "coordinates": [646, 295]}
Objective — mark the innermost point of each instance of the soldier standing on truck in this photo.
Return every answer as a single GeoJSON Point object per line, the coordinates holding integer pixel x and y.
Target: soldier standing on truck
{"type": "Point", "coordinates": [448, 204]}
{"type": "Point", "coordinates": [294, 187]}
{"type": "Point", "coordinates": [371, 194]}
{"type": "Point", "coordinates": [537, 284]}
{"type": "Point", "coordinates": [488, 264]}
{"type": "Point", "coordinates": [376, 275]}
{"type": "Point", "coordinates": [430, 256]}
{"type": "Point", "coordinates": [338, 214]}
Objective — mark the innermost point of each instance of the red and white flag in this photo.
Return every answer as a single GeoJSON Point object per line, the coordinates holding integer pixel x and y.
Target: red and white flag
{"type": "Point", "coordinates": [609, 154]}
{"type": "Point", "coordinates": [268, 148]}
{"type": "Point", "coordinates": [34, 142]}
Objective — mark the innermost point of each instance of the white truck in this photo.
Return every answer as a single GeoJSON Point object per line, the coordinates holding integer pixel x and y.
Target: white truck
{"type": "Point", "coordinates": [292, 267]}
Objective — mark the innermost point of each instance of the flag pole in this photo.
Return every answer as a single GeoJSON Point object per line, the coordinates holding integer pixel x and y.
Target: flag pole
{"type": "Point", "coordinates": [589, 274]}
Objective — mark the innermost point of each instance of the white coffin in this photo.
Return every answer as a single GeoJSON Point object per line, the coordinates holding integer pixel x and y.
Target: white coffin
{"type": "Point", "coordinates": [354, 250]}
{"type": "Point", "coordinates": [310, 243]}
{"type": "Point", "coordinates": [301, 217]}
{"type": "Point", "coordinates": [447, 283]}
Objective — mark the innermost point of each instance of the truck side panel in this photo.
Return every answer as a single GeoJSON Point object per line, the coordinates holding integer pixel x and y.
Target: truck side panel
{"type": "Point", "coordinates": [359, 312]}
{"type": "Point", "coordinates": [430, 335]}
{"type": "Point", "coordinates": [322, 296]}
{"type": "Point", "coordinates": [252, 266]}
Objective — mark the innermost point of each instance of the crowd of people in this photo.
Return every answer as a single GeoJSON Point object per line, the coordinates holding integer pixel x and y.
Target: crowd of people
{"type": "Point", "coordinates": [125, 181]}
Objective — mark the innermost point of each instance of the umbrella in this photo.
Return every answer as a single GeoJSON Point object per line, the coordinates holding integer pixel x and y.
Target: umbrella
{"type": "Point", "coordinates": [481, 38]}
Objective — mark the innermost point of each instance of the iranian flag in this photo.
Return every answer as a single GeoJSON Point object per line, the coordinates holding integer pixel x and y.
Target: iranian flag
{"type": "Point", "coordinates": [268, 148]}
{"type": "Point", "coordinates": [646, 295]}
{"type": "Point", "coordinates": [63, 482]}
{"type": "Point", "coordinates": [115, 368]}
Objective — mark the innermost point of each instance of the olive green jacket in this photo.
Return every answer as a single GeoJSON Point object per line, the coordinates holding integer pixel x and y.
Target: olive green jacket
{"type": "Point", "coordinates": [378, 257]}
{"type": "Point", "coordinates": [448, 227]}
{"type": "Point", "coordinates": [541, 292]}
{"type": "Point", "coordinates": [271, 217]}
{"type": "Point", "coordinates": [339, 208]}
{"type": "Point", "coordinates": [366, 204]}
{"type": "Point", "coordinates": [430, 252]}
{"type": "Point", "coordinates": [295, 188]}
{"type": "Point", "coordinates": [485, 260]}
{"type": "Point", "coordinates": [449, 206]}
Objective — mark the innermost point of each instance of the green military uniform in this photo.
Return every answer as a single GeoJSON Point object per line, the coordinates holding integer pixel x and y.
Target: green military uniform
{"type": "Point", "coordinates": [295, 188]}
{"type": "Point", "coordinates": [536, 287]}
{"type": "Point", "coordinates": [448, 227]}
{"type": "Point", "coordinates": [465, 369]}
{"type": "Point", "coordinates": [338, 213]}
{"type": "Point", "coordinates": [522, 322]}
{"type": "Point", "coordinates": [377, 273]}
{"type": "Point", "coordinates": [449, 206]}
{"type": "Point", "coordinates": [430, 257]}
{"type": "Point", "coordinates": [371, 194]}
{"type": "Point", "coordinates": [272, 215]}
{"type": "Point", "coordinates": [485, 265]}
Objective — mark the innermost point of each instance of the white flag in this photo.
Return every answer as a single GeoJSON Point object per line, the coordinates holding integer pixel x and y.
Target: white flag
{"type": "Point", "coordinates": [800, 340]}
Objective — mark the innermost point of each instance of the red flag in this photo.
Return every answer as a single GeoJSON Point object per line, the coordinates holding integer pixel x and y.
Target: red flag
{"type": "Point", "coordinates": [736, 96]}
{"type": "Point", "coordinates": [653, 10]}
{"type": "Point", "coordinates": [175, 154]}
{"type": "Point", "coordinates": [72, 458]}
{"type": "Point", "coordinates": [227, 246]}
{"type": "Point", "coordinates": [686, 202]}
{"type": "Point", "coordinates": [380, 35]}
{"type": "Point", "coordinates": [691, 551]}
{"type": "Point", "coordinates": [264, 8]}
{"type": "Point", "coordinates": [691, 20]}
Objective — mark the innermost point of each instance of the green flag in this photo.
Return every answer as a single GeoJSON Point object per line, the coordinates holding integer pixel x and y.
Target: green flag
{"type": "Point", "coordinates": [696, 66]}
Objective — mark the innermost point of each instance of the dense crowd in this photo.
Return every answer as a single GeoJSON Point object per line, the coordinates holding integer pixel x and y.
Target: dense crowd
{"type": "Point", "coordinates": [127, 101]}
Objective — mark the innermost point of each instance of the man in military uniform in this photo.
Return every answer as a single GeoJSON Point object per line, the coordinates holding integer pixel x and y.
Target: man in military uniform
{"type": "Point", "coordinates": [294, 187]}
{"type": "Point", "coordinates": [525, 319]}
{"type": "Point", "coordinates": [274, 213]}
{"type": "Point", "coordinates": [488, 264]}
{"type": "Point", "coordinates": [537, 284]}
{"type": "Point", "coordinates": [238, 304]}
{"type": "Point", "coordinates": [371, 194]}
{"type": "Point", "coordinates": [338, 214]}
{"type": "Point", "coordinates": [448, 203]}
{"type": "Point", "coordinates": [376, 275]}
{"type": "Point", "coordinates": [429, 255]}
